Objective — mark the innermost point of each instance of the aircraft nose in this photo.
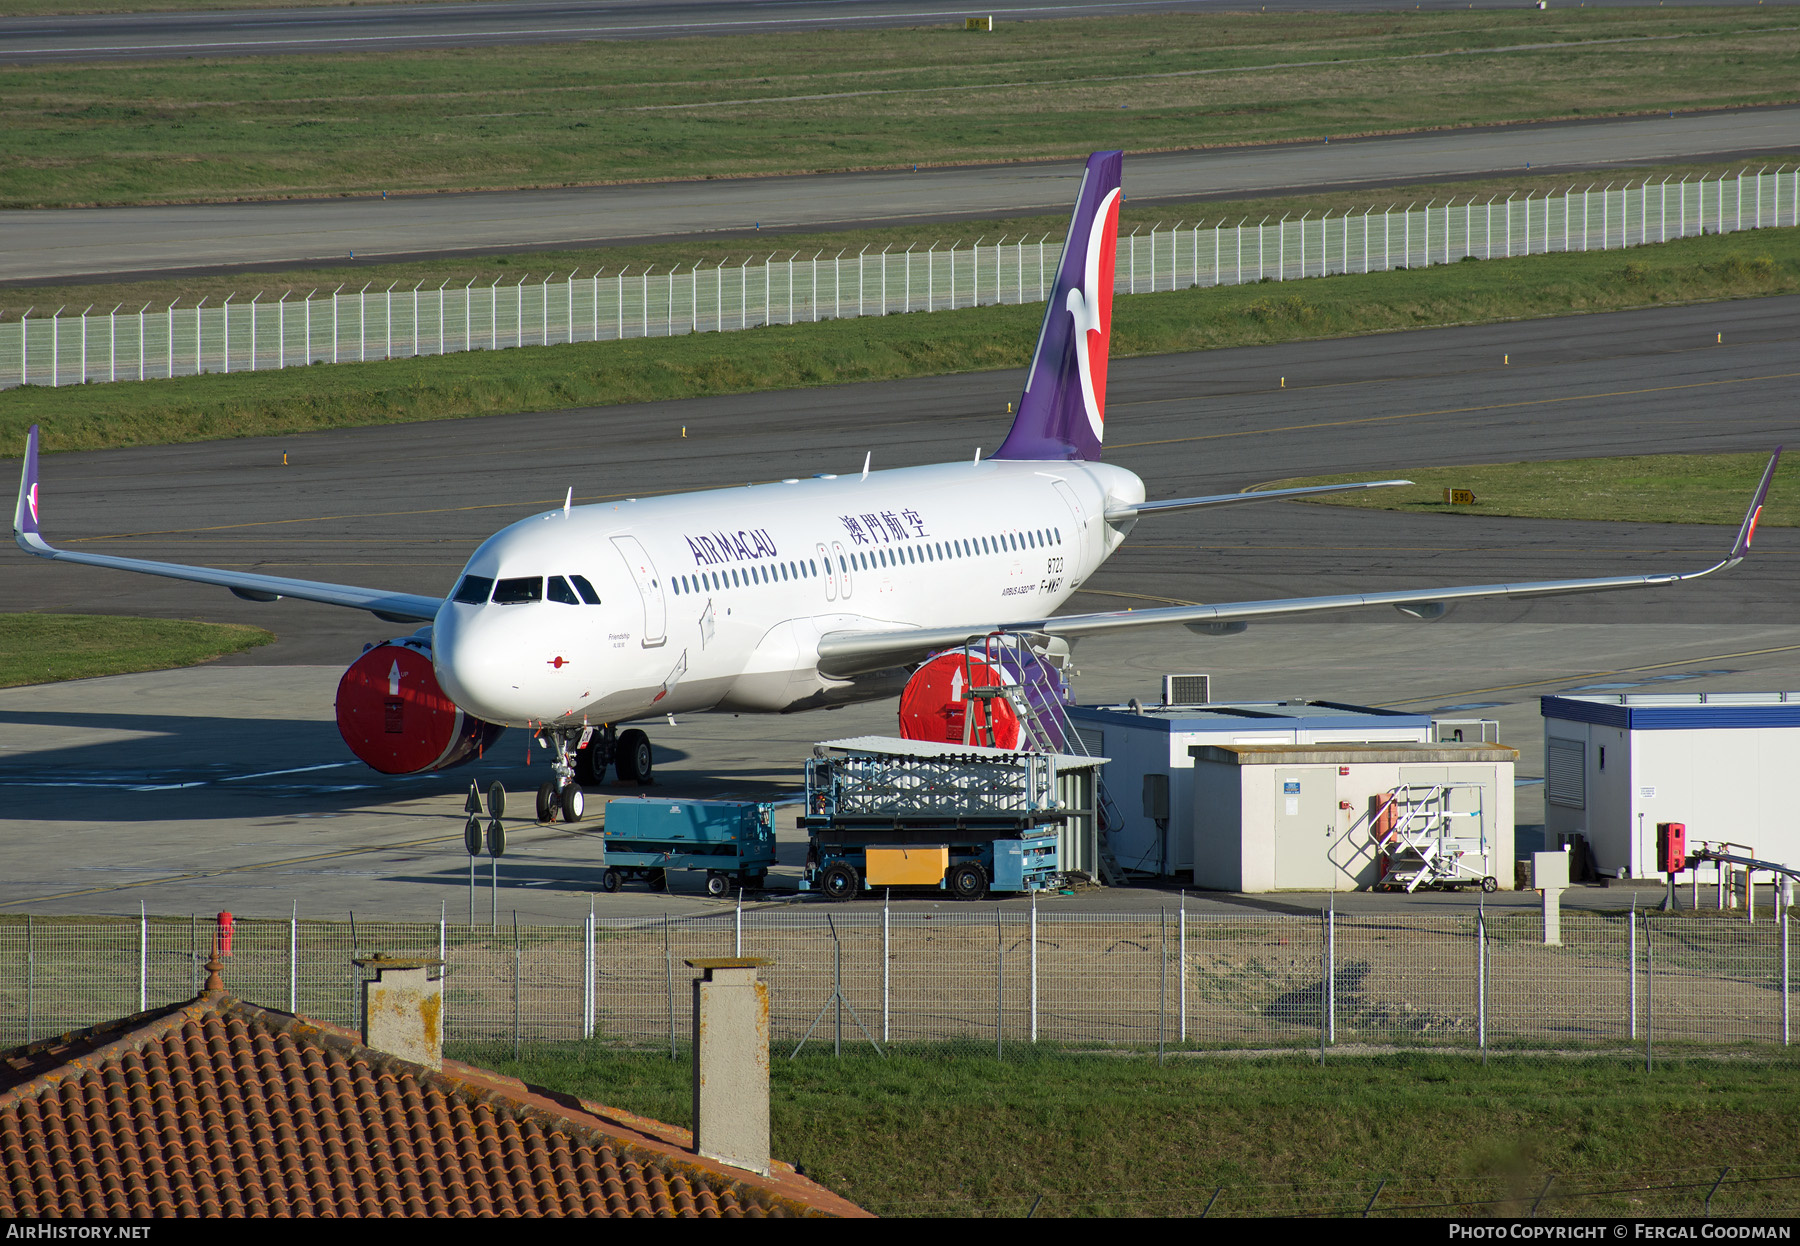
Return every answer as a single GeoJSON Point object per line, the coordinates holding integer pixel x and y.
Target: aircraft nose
{"type": "Point", "coordinates": [485, 665]}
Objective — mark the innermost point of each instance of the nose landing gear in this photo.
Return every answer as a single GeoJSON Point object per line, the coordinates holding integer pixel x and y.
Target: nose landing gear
{"type": "Point", "coordinates": [578, 765]}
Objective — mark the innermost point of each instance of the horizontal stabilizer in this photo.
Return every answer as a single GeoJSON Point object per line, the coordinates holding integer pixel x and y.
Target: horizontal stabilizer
{"type": "Point", "coordinates": [1116, 514]}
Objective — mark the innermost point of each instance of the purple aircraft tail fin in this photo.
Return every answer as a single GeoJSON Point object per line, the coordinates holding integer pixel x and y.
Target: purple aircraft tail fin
{"type": "Point", "coordinates": [25, 510]}
{"type": "Point", "coordinates": [1062, 414]}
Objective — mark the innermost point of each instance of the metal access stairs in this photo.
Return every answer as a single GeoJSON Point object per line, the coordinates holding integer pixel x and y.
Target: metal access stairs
{"type": "Point", "coordinates": [1043, 728]}
{"type": "Point", "coordinates": [1415, 829]}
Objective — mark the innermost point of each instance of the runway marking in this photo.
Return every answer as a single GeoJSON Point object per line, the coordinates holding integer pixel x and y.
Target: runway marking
{"type": "Point", "coordinates": [1493, 406]}
{"type": "Point", "coordinates": [1624, 670]}
{"type": "Point", "coordinates": [269, 774]}
{"type": "Point", "coordinates": [236, 869]}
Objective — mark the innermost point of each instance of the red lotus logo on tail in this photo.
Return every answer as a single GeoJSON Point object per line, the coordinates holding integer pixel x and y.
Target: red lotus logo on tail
{"type": "Point", "coordinates": [1750, 532]}
{"type": "Point", "coordinates": [1091, 307]}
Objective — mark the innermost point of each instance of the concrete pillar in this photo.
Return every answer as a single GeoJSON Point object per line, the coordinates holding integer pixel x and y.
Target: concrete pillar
{"type": "Point", "coordinates": [403, 1008]}
{"type": "Point", "coordinates": [731, 1063]}
{"type": "Point", "coordinates": [1550, 875]}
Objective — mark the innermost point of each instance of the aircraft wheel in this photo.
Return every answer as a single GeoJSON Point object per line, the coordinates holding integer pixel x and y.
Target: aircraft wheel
{"type": "Point", "coordinates": [590, 764]}
{"type": "Point", "coordinates": [634, 759]}
{"type": "Point", "coordinates": [611, 881]}
{"type": "Point", "coordinates": [717, 885]}
{"type": "Point", "coordinates": [573, 803]}
{"type": "Point", "coordinates": [840, 881]}
{"type": "Point", "coordinates": [547, 801]}
{"type": "Point", "coordinates": [968, 881]}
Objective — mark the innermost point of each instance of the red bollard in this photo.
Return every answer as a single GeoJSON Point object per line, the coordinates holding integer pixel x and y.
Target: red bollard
{"type": "Point", "coordinates": [222, 939]}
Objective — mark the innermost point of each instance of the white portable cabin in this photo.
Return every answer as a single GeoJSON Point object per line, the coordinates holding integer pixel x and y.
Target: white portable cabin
{"type": "Point", "coordinates": [1287, 817]}
{"type": "Point", "coordinates": [1616, 764]}
{"type": "Point", "coordinates": [1150, 772]}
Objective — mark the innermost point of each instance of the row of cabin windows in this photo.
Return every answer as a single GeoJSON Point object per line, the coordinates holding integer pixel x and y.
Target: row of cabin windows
{"type": "Point", "coordinates": [760, 573]}
{"type": "Point", "coordinates": [573, 590]}
{"type": "Point", "coordinates": [869, 560]}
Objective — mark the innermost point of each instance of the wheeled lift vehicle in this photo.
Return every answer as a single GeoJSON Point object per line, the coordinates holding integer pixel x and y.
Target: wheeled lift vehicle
{"type": "Point", "coordinates": [884, 813]}
{"type": "Point", "coordinates": [733, 841]}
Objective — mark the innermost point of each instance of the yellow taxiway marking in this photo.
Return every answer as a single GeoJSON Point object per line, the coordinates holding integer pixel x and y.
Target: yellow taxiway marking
{"type": "Point", "coordinates": [1563, 679]}
{"type": "Point", "coordinates": [1492, 406]}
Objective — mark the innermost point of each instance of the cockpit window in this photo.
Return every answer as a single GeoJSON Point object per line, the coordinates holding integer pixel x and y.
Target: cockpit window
{"type": "Point", "coordinates": [474, 590]}
{"type": "Point", "coordinates": [518, 592]}
{"type": "Point", "coordinates": [585, 589]}
{"type": "Point", "coordinates": [560, 591]}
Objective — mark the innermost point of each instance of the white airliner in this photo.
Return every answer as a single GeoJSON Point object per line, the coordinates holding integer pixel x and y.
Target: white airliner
{"type": "Point", "coordinates": [790, 595]}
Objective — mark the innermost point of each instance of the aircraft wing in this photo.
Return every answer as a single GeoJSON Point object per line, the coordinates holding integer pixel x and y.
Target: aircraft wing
{"type": "Point", "coordinates": [394, 607]}
{"type": "Point", "coordinates": [1117, 513]}
{"type": "Point", "coordinates": [842, 654]}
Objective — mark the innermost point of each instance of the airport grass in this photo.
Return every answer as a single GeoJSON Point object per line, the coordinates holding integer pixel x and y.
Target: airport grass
{"type": "Point", "coordinates": [1645, 488]}
{"type": "Point", "coordinates": [1114, 1134]}
{"type": "Point", "coordinates": [224, 129]}
{"type": "Point", "coordinates": [596, 375]}
{"type": "Point", "coordinates": [49, 648]}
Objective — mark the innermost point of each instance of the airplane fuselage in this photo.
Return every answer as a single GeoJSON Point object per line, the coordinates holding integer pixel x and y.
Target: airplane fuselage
{"type": "Point", "coordinates": [717, 600]}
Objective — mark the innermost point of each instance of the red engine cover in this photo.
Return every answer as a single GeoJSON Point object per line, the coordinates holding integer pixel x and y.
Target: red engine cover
{"type": "Point", "coordinates": [933, 705]}
{"type": "Point", "coordinates": [394, 716]}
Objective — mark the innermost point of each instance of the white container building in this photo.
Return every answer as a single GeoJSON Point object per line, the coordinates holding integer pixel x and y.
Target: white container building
{"type": "Point", "coordinates": [1616, 764]}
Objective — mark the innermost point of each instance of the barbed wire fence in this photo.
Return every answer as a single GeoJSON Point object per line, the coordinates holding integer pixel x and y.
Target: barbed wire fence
{"type": "Point", "coordinates": [979, 980]}
{"type": "Point", "coordinates": [705, 297]}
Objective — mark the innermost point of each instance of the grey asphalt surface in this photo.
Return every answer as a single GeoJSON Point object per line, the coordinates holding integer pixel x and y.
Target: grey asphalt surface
{"type": "Point", "coordinates": [382, 28]}
{"type": "Point", "coordinates": [57, 244]}
{"type": "Point", "coordinates": [226, 786]}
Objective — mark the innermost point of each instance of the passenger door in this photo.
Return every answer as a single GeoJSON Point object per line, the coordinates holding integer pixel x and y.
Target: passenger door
{"type": "Point", "coordinates": [649, 585]}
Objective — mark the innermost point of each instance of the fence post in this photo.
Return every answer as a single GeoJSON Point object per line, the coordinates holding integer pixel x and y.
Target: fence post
{"type": "Point", "coordinates": [294, 959]}
{"type": "Point", "coordinates": [587, 971]}
{"type": "Point", "coordinates": [669, 968]}
{"type": "Point", "coordinates": [885, 961]}
{"type": "Point", "coordinates": [1034, 966]}
{"type": "Point", "coordinates": [1631, 962]}
{"type": "Point", "coordinates": [1181, 951]}
{"type": "Point", "coordinates": [518, 972]}
{"type": "Point", "coordinates": [1329, 980]}
{"type": "Point", "coordinates": [144, 959]}
{"type": "Point", "coordinates": [1649, 988]}
{"type": "Point", "coordinates": [55, 347]}
{"type": "Point", "coordinates": [1481, 979]}
{"type": "Point", "coordinates": [31, 980]}
{"type": "Point", "coordinates": [1784, 976]}
{"type": "Point", "coordinates": [999, 985]}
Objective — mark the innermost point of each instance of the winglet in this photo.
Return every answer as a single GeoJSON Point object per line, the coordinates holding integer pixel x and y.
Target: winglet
{"type": "Point", "coordinates": [1747, 533]}
{"type": "Point", "coordinates": [25, 512]}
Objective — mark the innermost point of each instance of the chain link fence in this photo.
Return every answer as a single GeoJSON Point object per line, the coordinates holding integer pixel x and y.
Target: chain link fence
{"type": "Point", "coordinates": [254, 335]}
{"type": "Point", "coordinates": [977, 979]}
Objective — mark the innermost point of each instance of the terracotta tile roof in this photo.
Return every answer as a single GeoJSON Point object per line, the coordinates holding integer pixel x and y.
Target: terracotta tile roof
{"type": "Point", "coordinates": [219, 1107]}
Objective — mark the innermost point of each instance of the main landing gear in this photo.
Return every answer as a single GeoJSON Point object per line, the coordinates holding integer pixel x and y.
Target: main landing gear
{"type": "Point", "coordinates": [580, 764]}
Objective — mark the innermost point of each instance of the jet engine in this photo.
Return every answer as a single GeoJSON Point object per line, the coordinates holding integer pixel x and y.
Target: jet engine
{"type": "Point", "coordinates": [394, 716]}
{"type": "Point", "coordinates": [976, 696]}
